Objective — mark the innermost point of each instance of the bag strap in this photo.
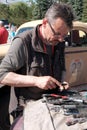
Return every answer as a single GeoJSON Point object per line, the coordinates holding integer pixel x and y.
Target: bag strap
{"type": "Point", "coordinates": [27, 57]}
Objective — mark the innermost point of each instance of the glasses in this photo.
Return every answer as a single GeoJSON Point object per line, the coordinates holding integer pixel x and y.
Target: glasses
{"type": "Point", "coordinates": [55, 33]}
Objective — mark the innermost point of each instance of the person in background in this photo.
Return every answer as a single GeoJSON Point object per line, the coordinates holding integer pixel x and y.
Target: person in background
{"type": "Point", "coordinates": [3, 33]}
{"type": "Point", "coordinates": [12, 33]}
{"type": "Point", "coordinates": [41, 49]}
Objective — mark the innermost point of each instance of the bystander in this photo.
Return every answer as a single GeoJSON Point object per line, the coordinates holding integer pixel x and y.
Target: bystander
{"type": "Point", "coordinates": [3, 33]}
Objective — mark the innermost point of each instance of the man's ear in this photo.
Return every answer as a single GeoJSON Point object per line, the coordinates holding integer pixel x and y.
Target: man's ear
{"type": "Point", "coordinates": [44, 21]}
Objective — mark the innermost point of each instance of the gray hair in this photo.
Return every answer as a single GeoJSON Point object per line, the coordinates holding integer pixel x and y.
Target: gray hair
{"type": "Point", "coordinates": [1, 23]}
{"type": "Point", "coordinates": [62, 10]}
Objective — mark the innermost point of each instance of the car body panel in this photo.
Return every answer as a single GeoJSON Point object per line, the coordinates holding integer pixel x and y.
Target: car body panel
{"type": "Point", "coordinates": [75, 52]}
{"type": "Point", "coordinates": [30, 24]}
{"type": "Point", "coordinates": [3, 50]}
{"type": "Point", "coordinates": [76, 64]}
{"type": "Point", "coordinates": [80, 26]}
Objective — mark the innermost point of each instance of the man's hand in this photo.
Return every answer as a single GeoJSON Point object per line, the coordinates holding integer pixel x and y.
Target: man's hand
{"type": "Point", "coordinates": [48, 82]}
{"type": "Point", "coordinates": [65, 85]}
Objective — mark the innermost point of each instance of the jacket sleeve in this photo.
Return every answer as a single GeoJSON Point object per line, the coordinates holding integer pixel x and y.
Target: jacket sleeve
{"type": "Point", "coordinates": [14, 59]}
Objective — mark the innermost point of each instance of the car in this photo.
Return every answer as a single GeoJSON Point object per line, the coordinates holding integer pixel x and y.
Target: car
{"type": "Point", "coordinates": [75, 54]}
{"type": "Point", "coordinates": [75, 51]}
{"type": "Point", "coordinates": [27, 26]}
{"type": "Point", "coordinates": [3, 50]}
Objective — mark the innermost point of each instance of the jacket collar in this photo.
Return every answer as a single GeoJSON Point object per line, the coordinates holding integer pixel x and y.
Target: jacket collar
{"type": "Point", "coordinates": [37, 42]}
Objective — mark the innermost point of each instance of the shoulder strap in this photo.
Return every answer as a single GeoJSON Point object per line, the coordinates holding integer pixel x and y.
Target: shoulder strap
{"type": "Point", "coordinates": [27, 56]}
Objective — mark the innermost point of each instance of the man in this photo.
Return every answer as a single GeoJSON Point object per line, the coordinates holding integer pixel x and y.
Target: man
{"type": "Point", "coordinates": [3, 33]}
{"type": "Point", "coordinates": [46, 65]}
{"type": "Point", "coordinates": [44, 55]}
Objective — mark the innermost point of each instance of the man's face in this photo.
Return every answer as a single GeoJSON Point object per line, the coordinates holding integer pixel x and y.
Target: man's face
{"type": "Point", "coordinates": [55, 32]}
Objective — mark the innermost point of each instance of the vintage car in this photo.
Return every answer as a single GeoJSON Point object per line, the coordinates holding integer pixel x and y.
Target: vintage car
{"type": "Point", "coordinates": [75, 51]}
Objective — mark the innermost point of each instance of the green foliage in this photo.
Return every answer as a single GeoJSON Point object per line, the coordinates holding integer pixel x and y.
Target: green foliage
{"type": "Point", "coordinates": [30, 10]}
{"type": "Point", "coordinates": [4, 11]}
{"type": "Point", "coordinates": [77, 7]}
{"type": "Point", "coordinates": [21, 12]}
{"type": "Point", "coordinates": [64, 1]}
{"type": "Point", "coordinates": [18, 12]}
{"type": "Point", "coordinates": [41, 8]}
{"type": "Point", "coordinates": [84, 13]}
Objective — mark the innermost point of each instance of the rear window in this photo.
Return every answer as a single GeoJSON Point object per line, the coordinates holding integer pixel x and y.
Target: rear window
{"type": "Point", "coordinates": [76, 38]}
{"type": "Point", "coordinates": [23, 29]}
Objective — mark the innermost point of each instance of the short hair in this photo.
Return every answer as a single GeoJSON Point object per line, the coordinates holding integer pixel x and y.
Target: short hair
{"type": "Point", "coordinates": [62, 10]}
{"type": "Point", "coordinates": [1, 23]}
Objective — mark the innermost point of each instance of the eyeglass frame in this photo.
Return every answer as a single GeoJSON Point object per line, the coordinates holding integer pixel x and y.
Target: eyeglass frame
{"type": "Point", "coordinates": [55, 33]}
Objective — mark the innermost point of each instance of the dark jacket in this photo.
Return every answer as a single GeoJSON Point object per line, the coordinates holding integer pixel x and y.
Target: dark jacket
{"type": "Point", "coordinates": [41, 63]}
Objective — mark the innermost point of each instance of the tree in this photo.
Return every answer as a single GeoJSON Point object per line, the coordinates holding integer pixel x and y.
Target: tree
{"type": "Point", "coordinates": [64, 1]}
{"type": "Point", "coordinates": [31, 6]}
{"type": "Point", "coordinates": [21, 12]}
{"type": "Point", "coordinates": [84, 13]}
{"type": "Point", "coordinates": [41, 8]}
{"type": "Point", "coordinates": [4, 11]}
{"type": "Point", "coordinates": [77, 7]}
{"type": "Point", "coordinates": [18, 12]}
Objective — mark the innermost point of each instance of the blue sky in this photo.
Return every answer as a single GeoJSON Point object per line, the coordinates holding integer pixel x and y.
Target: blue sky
{"type": "Point", "coordinates": [12, 1]}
